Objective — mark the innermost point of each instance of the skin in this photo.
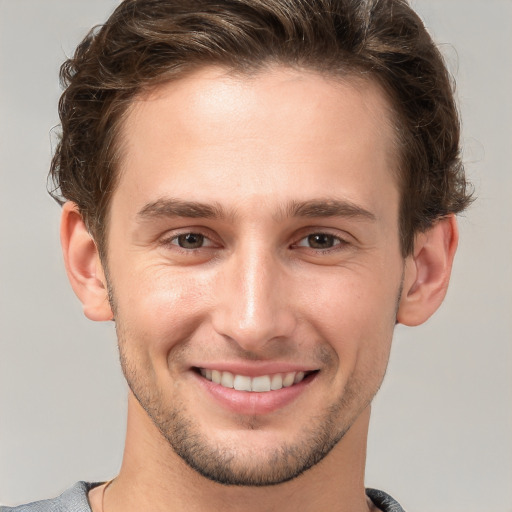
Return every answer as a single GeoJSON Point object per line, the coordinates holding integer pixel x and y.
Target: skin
{"type": "Point", "coordinates": [298, 265]}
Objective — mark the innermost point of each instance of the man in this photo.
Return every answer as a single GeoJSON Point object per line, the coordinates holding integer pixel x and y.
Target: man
{"type": "Point", "coordinates": [256, 192]}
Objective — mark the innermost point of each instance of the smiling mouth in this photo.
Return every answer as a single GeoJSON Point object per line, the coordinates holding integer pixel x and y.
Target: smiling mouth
{"type": "Point", "coordinates": [259, 384]}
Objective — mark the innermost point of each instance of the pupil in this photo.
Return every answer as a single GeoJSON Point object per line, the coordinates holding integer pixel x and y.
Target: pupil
{"type": "Point", "coordinates": [191, 241]}
{"type": "Point", "coordinates": [321, 241]}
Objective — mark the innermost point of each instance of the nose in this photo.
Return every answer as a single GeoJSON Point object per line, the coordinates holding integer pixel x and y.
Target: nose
{"type": "Point", "coordinates": [253, 302]}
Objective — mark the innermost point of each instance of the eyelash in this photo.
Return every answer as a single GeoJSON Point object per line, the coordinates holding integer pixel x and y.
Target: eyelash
{"type": "Point", "coordinates": [173, 241]}
{"type": "Point", "coordinates": [338, 242]}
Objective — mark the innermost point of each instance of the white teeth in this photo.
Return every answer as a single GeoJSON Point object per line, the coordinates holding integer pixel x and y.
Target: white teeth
{"type": "Point", "coordinates": [298, 377]}
{"type": "Point", "coordinates": [227, 380]}
{"type": "Point", "coordinates": [276, 382]}
{"type": "Point", "coordinates": [260, 384]}
{"type": "Point", "coordinates": [242, 383]}
{"type": "Point", "coordinates": [288, 379]}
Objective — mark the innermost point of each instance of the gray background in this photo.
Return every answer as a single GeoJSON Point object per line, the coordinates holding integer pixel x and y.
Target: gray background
{"type": "Point", "coordinates": [441, 434]}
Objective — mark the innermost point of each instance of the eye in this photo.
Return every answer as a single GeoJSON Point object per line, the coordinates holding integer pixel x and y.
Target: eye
{"type": "Point", "coordinates": [191, 241]}
{"type": "Point", "coordinates": [321, 241]}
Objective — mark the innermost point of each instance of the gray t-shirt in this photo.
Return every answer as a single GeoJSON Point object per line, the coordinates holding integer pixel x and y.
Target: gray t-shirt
{"type": "Point", "coordinates": [75, 500]}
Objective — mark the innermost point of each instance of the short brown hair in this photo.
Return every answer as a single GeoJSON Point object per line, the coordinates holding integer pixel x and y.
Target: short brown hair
{"type": "Point", "coordinates": [147, 42]}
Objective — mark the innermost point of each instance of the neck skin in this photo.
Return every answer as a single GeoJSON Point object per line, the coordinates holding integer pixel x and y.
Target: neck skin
{"type": "Point", "coordinates": [153, 477]}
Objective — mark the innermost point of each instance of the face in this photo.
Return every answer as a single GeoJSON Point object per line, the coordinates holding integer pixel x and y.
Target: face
{"type": "Point", "coordinates": [254, 265]}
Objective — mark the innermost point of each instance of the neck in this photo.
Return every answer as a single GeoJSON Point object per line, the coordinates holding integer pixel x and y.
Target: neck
{"type": "Point", "coordinates": [153, 477]}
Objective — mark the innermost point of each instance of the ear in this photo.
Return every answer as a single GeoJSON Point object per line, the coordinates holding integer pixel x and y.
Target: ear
{"type": "Point", "coordinates": [427, 272]}
{"type": "Point", "coordinates": [83, 265]}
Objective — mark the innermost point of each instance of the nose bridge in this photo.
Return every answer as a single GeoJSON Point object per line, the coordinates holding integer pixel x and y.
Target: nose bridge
{"type": "Point", "coordinates": [253, 309]}
{"type": "Point", "coordinates": [256, 275]}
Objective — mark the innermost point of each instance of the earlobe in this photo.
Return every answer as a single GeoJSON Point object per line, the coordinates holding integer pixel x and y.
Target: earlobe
{"type": "Point", "coordinates": [427, 272]}
{"type": "Point", "coordinates": [83, 265]}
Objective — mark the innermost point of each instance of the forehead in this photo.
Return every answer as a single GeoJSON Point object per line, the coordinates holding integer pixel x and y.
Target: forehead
{"type": "Point", "coordinates": [213, 134]}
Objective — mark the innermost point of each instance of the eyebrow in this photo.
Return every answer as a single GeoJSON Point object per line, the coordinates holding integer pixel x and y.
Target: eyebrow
{"type": "Point", "coordinates": [170, 207]}
{"type": "Point", "coordinates": [328, 208]}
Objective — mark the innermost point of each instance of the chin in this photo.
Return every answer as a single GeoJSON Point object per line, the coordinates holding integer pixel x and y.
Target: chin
{"type": "Point", "coordinates": [246, 463]}
{"type": "Point", "coordinates": [250, 454]}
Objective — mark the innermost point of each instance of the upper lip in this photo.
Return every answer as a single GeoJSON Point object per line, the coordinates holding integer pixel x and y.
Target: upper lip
{"type": "Point", "coordinates": [255, 369]}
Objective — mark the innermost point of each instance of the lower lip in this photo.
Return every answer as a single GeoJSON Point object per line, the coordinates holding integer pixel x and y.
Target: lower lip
{"type": "Point", "coordinates": [254, 403]}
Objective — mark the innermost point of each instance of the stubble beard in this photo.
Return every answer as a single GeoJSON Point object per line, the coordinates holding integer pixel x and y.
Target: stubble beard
{"type": "Point", "coordinates": [234, 463]}
{"type": "Point", "coordinates": [226, 464]}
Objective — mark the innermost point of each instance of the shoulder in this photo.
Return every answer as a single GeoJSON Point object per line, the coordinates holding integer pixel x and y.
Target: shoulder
{"type": "Point", "coordinates": [72, 500]}
{"type": "Point", "coordinates": [384, 501]}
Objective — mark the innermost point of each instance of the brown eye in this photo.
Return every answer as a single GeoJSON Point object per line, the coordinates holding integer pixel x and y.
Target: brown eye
{"type": "Point", "coordinates": [190, 241]}
{"type": "Point", "coordinates": [320, 241]}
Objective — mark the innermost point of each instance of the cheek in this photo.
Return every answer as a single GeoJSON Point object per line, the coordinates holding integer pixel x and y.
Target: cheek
{"type": "Point", "coordinates": [356, 316]}
{"type": "Point", "coordinates": [352, 300]}
{"type": "Point", "coordinates": [158, 308]}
